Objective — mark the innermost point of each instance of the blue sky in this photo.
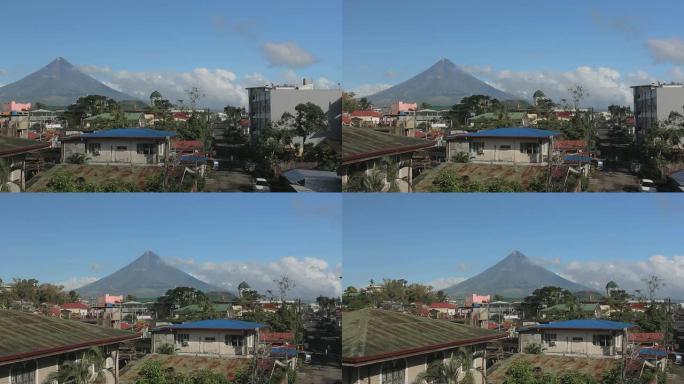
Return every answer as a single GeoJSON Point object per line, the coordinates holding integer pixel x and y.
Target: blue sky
{"type": "Point", "coordinates": [173, 37]}
{"type": "Point", "coordinates": [444, 238]}
{"type": "Point", "coordinates": [638, 40]}
{"type": "Point", "coordinates": [75, 238]}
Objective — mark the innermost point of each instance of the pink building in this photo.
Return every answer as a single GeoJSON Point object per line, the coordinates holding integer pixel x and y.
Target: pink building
{"type": "Point", "coordinates": [398, 107]}
{"type": "Point", "coordinates": [109, 300]}
{"type": "Point", "coordinates": [476, 299]}
{"type": "Point", "coordinates": [13, 106]}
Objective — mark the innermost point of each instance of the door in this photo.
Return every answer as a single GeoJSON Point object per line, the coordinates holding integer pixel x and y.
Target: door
{"type": "Point", "coordinates": [121, 154]}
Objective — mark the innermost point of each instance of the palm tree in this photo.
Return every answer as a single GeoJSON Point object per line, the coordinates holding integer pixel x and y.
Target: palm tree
{"type": "Point", "coordinates": [457, 369]}
{"type": "Point", "coordinates": [89, 369]}
{"type": "Point", "coordinates": [372, 181]}
{"type": "Point", "coordinates": [5, 172]}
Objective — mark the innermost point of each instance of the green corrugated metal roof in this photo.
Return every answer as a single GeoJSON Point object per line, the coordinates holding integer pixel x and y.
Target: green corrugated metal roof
{"type": "Point", "coordinates": [12, 144]}
{"type": "Point", "coordinates": [371, 332]}
{"type": "Point", "coordinates": [359, 141]}
{"type": "Point", "coordinates": [26, 333]}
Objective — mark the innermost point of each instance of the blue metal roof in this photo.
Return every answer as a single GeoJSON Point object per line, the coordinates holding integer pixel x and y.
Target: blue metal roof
{"type": "Point", "coordinates": [577, 159]}
{"type": "Point", "coordinates": [585, 324]}
{"type": "Point", "coordinates": [219, 324]}
{"type": "Point", "coordinates": [194, 158]}
{"type": "Point", "coordinates": [514, 132]}
{"type": "Point", "coordinates": [130, 133]}
{"type": "Point", "coordinates": [652, 352]}
{"type": "Point", "coordinates": [280, 351]}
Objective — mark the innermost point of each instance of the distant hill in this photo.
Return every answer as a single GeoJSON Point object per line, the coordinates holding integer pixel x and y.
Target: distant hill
{"type": "Point", "coordinates": [515, 276]}
{"type": "Point", "coordinates": [147, 276]}
{"type": "Point", "coordinates": [442, 84]}
{"type": "Point", "coordinates": [58, 83]}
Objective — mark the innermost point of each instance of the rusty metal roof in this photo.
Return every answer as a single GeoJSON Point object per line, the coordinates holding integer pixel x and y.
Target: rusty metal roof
{"type": "Point", "coordinates": [371, 334]}
{"type": "Point", "coordinates": [25, 335]}
{"type": "Point", "coordinates": [360, 144]}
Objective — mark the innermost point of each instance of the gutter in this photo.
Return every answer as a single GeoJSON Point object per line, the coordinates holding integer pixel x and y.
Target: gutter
{"type": "Point", "coordinates": [66, 348]}
{"type": "Point", "coordinates": [366, 360]}
{"type": "Point", "coordinates": [357, 158]}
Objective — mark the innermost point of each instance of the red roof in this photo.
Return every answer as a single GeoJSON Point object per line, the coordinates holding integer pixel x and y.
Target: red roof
{"type": "Point", "coordinates": [187, 145]}
{"type": "Point", "coordinates": [366, 113]}
{"type": "Point", "coordinates": [277, 337]}
{"type": "Point", "coordinates": [74, 306]}
{"type": "Point", "coordinates": [55, 311]}
{"type": "Point", "coordinates": [346, 119]}
{"type": "Point", "coordinates": [569, 144]}
{"type": "Point", "coordinates": [244, 123]}
{"type": "Point", "coordinates": [492, 326]}
{"type": "Point", "coordinates": [419, 134]}
{"type": "Point", "coordinates": [181, 116]}
{"type": "Point", "coordinates": [637, 305]}
{"type": "Point", "coordinates": [125, 326]}
{"type": "Point", "coordinates": [442, 306]}
{"type": "Point", "coordinates": [269, 306]}
{"type": "Point", "coordinates": [565, 114]}
{"type": "Point", "coordinates": [646, 337]}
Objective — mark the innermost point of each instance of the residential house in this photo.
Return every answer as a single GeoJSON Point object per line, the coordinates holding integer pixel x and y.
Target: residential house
{"type": "Point", "coordinates": [365, 118]}
{"type": "Point", "coordinates": [186, 147]}
{"type": "Point", "coordinates": [136, 146]}
{"type": "Point", "coordinates": [133, 119]}
{"type": "Point", "coordinates": [388, 347]}
{"type": "Point", "coordinates": [226, 338]}
{"type": "Point", "coordinates": [475, 299]}
{"type": "Point", "coordinates": [400, 107]}
{"type": "Point", "coordinates": [365, 151]}
{"type": "Point", "coordinates": [78, 309]}
{"type": "Point", "coordinates": [586, 337]}
{"type": "Point", "coordinates": [276, 339]}
{"type": "Point", "coordinates": [15, 124]}
{"type": "Point", "coordinates": [34, 346]}
{"type": "Point", "coordinates": [267, 104]}
{"type": "Point", "coordinates": [109, 300]}
{"type": "Point", "coordinates": [443, 309]}
{"type": "Point", "coordinates": [646, 339]}
{"type": "Point", "coordinates": [527, 146]}
{"type": "Point", "coordinates": [13, 152]}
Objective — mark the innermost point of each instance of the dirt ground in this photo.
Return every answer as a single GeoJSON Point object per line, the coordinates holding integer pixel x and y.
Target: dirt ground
{"type": "Point", "coordinates": [319, 374]}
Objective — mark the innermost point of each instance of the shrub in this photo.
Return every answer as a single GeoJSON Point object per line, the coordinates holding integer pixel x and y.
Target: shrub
{"type": "Point", "coordinates": [533, 349]}
{"type": "Point", "coordinates": [166, 349]}
{"type": "Point", "coordinates": [461, 157]}
{"type": "Point", "coordinates": [77, 158]}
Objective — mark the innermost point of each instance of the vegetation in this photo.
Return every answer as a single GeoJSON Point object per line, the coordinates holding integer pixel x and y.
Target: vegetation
{"type": "Point", "coordinates": [457, 369]}
{"type": "Point", "coordinates": [522, 372]}
{"type": "Point", "coordinates": [65, 181]}
{"type": "Point", "coordinates": [34, 293]}
{"type": "Point", "coordinates": [448, 180]}
{"type": "Point", "coordinates": [396, 291]}
{"type": "Point", "coordinates": [662, 146]}
{"type": "Point", "coordinates": [166, 349]}
{"type": "Point", "coordinates": [88, 369]}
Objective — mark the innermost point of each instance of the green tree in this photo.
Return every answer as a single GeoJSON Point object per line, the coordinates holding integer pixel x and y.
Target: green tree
{"type": "Point", "coordinates": [309, 120]}
{"type": "Point", "coordinates": [89, 369]}
{"type": "Point", "coordinates": [349, 103]}
{"type": "Point", "coordinates": [457, 369]}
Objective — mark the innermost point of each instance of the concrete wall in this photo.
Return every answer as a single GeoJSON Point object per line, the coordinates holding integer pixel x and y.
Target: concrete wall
{"type": "Point", "coordinates": [198, 343]}
{"type": "Point", "coordinates": [113, 152]}
{"type": "Point", "coordinates": [495, 151]}
{"type": "Point", "coordinates": [565, 345]}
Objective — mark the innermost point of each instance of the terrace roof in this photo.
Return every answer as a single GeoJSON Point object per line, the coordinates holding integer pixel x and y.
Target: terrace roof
{"type": "Point", "coordinates": [360, 144]}
{"type": "Point", "coordinates": [25, 335]}
{"type": "Point", "coordinates": [127, 133]}
{"type": "Point", "coordinates": [588, 324]}
{"type": "Point", "coordinates": [370, 335]}
{"type": "Point", "coordinates": [15, 146]}
{"type": "Point", "coordinates": [519, 132]}
{"type": "Point", "coordinates": [216, 325]}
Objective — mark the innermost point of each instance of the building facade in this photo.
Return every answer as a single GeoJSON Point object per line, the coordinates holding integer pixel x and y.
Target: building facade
{"type": "Point", "coordinates": [137, 146]}
{"type": "Point", "coordinates": [654, 103]}
{"type": "Point", "coordinates": [267, 104]}
{"type": "Point", "coordinates": [527, 146]}
{"type": "Point", "coordinates": [210, 337]}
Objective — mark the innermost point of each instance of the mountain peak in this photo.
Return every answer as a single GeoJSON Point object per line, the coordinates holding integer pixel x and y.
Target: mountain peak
{"type": "Point", "coordinates": [516, 256]}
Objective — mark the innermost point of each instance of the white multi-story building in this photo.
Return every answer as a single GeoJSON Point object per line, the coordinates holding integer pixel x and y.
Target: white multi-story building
{"type": "Point", "coordinates": [654, 103]}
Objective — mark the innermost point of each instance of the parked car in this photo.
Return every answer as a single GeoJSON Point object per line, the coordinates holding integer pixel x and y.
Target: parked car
{"type": "Point", "coordinates": [261, 185]}
{"type": "Point", "coordinates": [647, 185]}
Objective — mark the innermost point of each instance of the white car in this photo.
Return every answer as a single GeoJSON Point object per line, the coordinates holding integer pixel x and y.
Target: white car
{"type": "Point", "coordinates": [261, 185]}
{"type": "Point", "coordinates": [647, 185]}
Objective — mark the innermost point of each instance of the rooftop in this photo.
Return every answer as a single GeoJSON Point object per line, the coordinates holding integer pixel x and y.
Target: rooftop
{"type": "Point", "coordinates": [310, 180]}
{"type": "Point", "coordinates": [15, 146]}
{"type": "Point", "coordinates": [27, 335]}
{"type": "Point", "coordinates": [109, 116]}
{"type": "Point", "coordinates": [360, 144]}
{"type": "Point", "coordinates": [589, 324]}
{"type": "Point", "coordinates": [217, 325]}
{"type": "Point", "coordinates": [137, 133]}
{"type": "Point", "coordinates": [521, 132]}
{"type": "Point", "coordinates": [371, 334]}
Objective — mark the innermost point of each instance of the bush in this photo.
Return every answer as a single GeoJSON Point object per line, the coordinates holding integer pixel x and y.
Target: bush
{"type": "Point", "coordinates": [533, 349]}
{"type": "Point", "coordinates": [461, 157]}
{"type": "Point", "coordinates": [77, 158]}
{"type": "Point", "coordinates": [166, 349]}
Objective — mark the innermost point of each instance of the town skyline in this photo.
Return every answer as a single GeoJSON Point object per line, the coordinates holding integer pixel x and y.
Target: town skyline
{"type": "Point", "coordinates": [443, 251]}
{"type": "Point", "coordinates": [519, 50]}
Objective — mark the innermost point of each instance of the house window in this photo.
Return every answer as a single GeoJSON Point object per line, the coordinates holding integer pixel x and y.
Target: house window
{"type": "Point", "coordinates": [93, 148]}
{"type": "Point", "coordinates": [577, 339]}
{"type": "Point", "coordinates": [477, 148]}
{"type": "Point", "coordinates": [234, 340]}
{"type": "Point", "coordinates": [23, 373]}
{"type": "Point", "coordinates": [529, 148]}
{"type": "Point", "coordinates": [182, 338]}
{"type": "Point", "coordinates": [602, 340]}
{"type": "Point", "coordinates": [210, 339]}
{"type": "Point", "coordinates": [146, 149]}
{"type": "Point", "coordinates": [550, 339]}
{"type": "Point", "coordinates": [504, 147]}
{"type": "Point", "coordinates": [122, 148]}
{"type": "Point", "coordinates": [393, 372]}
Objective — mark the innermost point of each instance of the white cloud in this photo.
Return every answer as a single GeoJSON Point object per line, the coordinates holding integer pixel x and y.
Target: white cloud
{"type": "Point", "coordinates": [76, 282]}
{"type": "Point", "coordinates": [369, 89]}
{"type": "Point", "coordinates": [630, 275]}
{"type": "Point", "coordinates": [94, 69]}
{"type": "Point", "coordinates": [312, 276]}
{"type": "Point", "coordinates": [604, 85]}
{"type": "Point", "coordinates": [254, 79]}
{"type": "Point", "coordinates": [287, 54]}
{"type": "Point", "coordinates": [324, 83]}
{"type": "Point", "coordinates": [220, 86]}
{"type": "Point", "coordinates": [391, 73]}
{"type": "Point", "coordinates": [446, 282]}
{"type": "Point", "coordinates": [677, 73]}
{"type": "Point", "coordinates": [667, 50]}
